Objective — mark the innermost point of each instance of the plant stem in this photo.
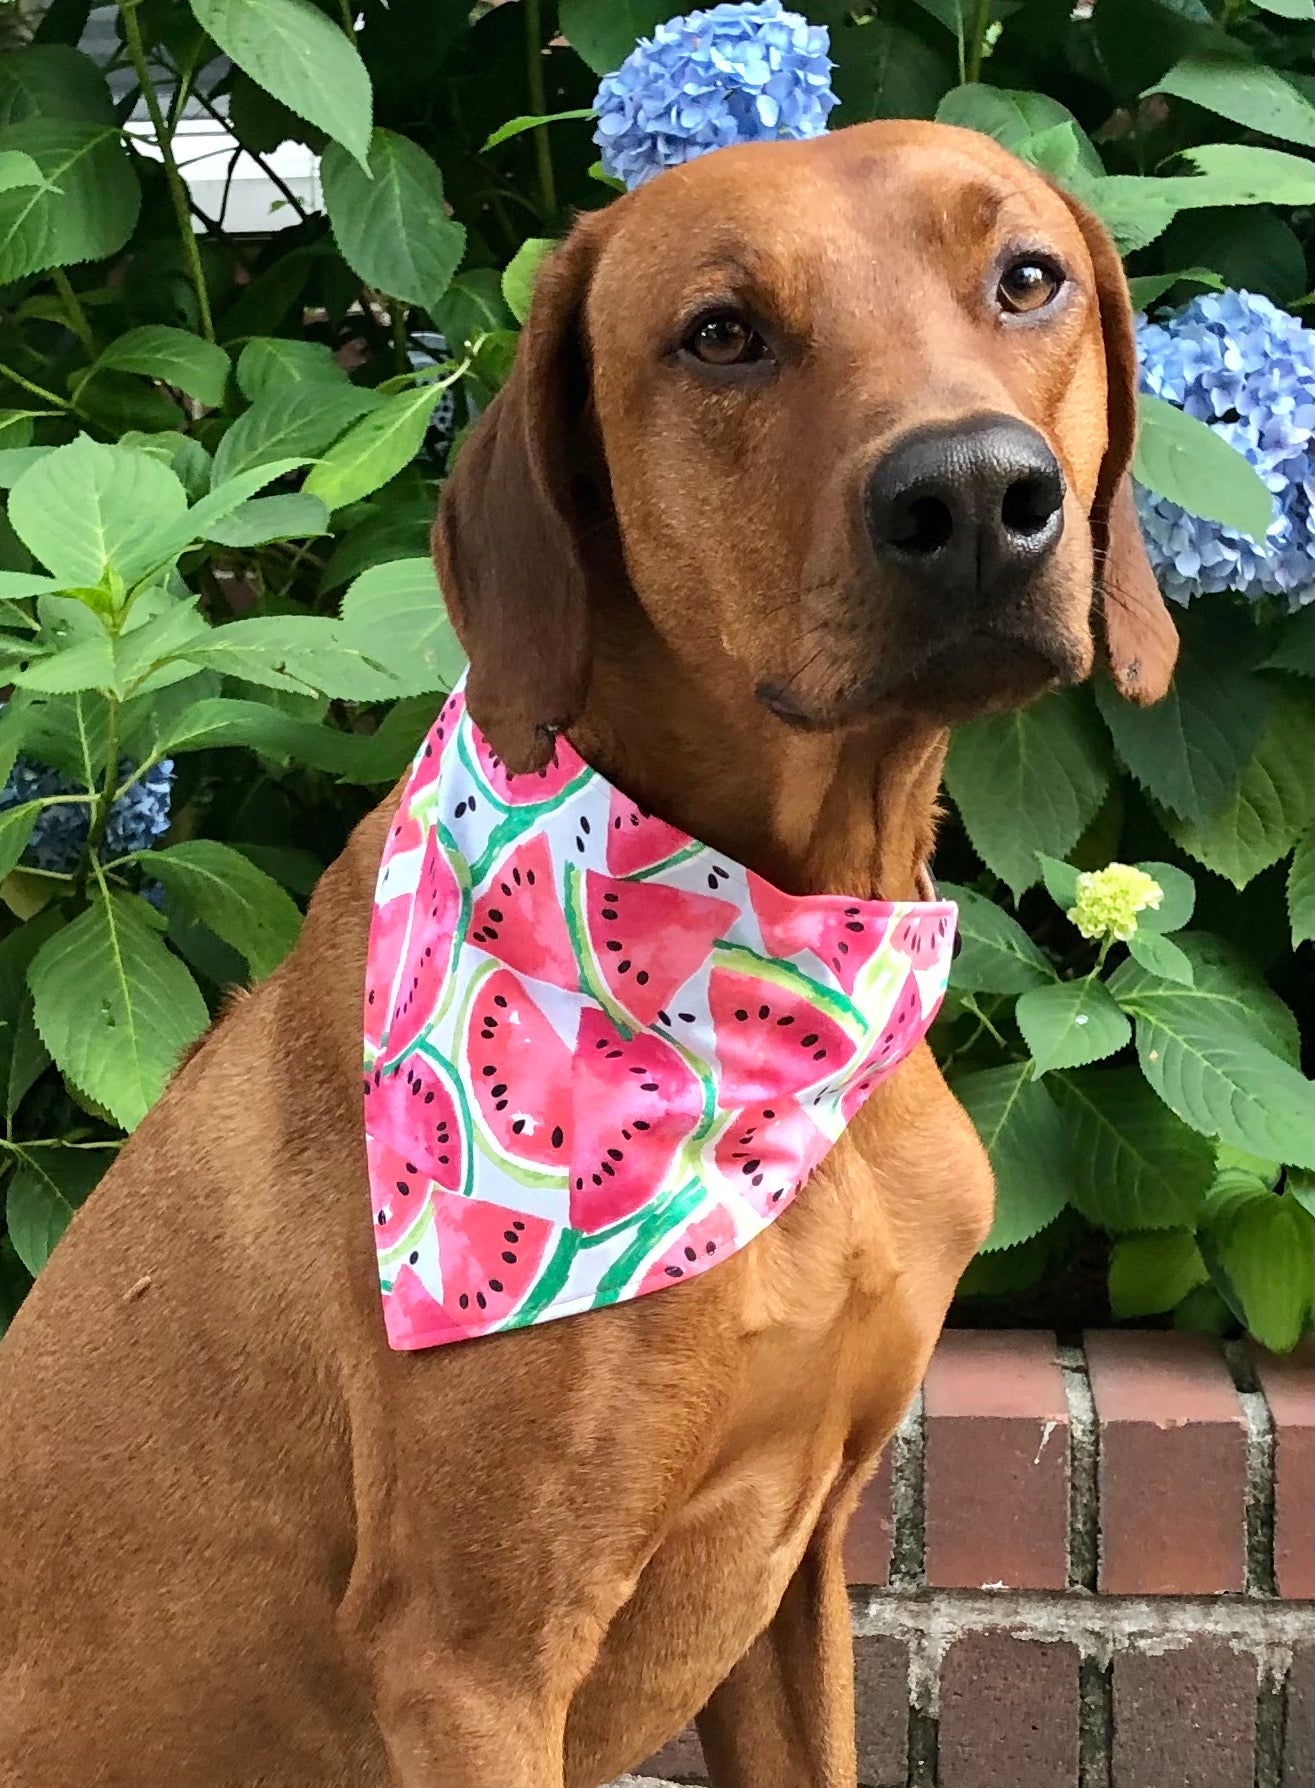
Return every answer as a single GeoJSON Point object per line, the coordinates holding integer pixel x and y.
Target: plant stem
{"type": "Point", "coordinates": [348, 22]}
{"type": "Point", "coordinates": [539, 105]}
{"type": "Point", "coordinates": [982, 20]}
{"type": "Point", "coordinates": [275, 179]}
{"type": "Point", "coordinates": [77, 317]}
{"type": "Point", "coordinates": [49, 397]}
{"type": "Point", "coordinates": [971, 1005]}
{"type": "Point", "coordinates": [100, 817]}
{"type": "Point", "coordinates": [132, 33]}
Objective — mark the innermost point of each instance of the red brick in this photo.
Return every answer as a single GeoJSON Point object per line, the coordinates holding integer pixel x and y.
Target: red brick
{"type": "Point", "coordinates": [679, 1761]}
{"type": "Point", "coordinates": [871, 1529]}
{"type": "Point", "coordinates": [1288, 1382]}
{"type": "Point", "coordinates": [1185, 1718]}
{"type": "Point", "coordinates": [1299, 1731]}
{"type": "Point", "coordinates": [1009, 1714]}
{"type": "Point", "coordinates": [1172, 1465]}
{"type": "Point", "coordinates": [881, 1701]}
{"type": "Point", "coordinates": [996, 1462]}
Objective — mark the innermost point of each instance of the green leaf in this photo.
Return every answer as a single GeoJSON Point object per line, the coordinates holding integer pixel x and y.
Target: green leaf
{"type": "Point", "coordinates": [1014, 118]}
{"type": "Point", "coordinates": [603, 32]}
{"type": "Point", "coordinates": [358, 758]}
{"type": "Point", "coordinates": [1271, 805]}
{"type": "Point", "coordinates": [172, 356]}
{"type": "Point", "coordinates": [995, 954]}
{"type": "Point", "coordinates": [1071, 1023]}
{"type": "Point", "coordinates": [261, 519]}
{"type": "Point", "coordinates": [47, 1187]}
{"type": "Point", "coordinates": [303, 58]}
{"type": "Point", "coordinates": [1209, 1054]}
{"type": "Point", "coordinates": [305, 652]}
{"type": "Point", "coordinates": [296, 423]}
{"type": "Point", "coordinates": [1144, 291]}
{"type": "Point", "coordinates": [1134, 1164]}
{"type": "Point", "coordinates": [23, 1056]}
{"type": "Point", "coordinates": [1162, 957]}
{"type": "Point", "coordinates": [1294, 650]}
{"type": "Point", "coordinates": [240, 903]}
{"type": "Point", "coordinates": [16, 586]}
{"type": "Point", "coordinates": [183, 454]}
{"type": "Point", "coordinates": [375, 449]}
{"type": "Point", "coordinates": [16, 825]}
{"type": "Point", "coordinates": [85, 210]}
{"type": "Point", "coordinates": [52, 81]}
{"type": "Point", "coordinates": [886, 71]}
{"type": "Point", "coordinates": [396, 613]}
{"type": "Point", "coordinates": [1289, 9]}
{"type": "Point", "coordinates": [1246, 92]}
{"type": "Point", "coordinates": [391, 225]}
{"type": "Point", "coordinates": [1061, 880]}
{"type": "Point", "coordinates": [515, 127]}
{"type": "Point", "coordinates": [166, 543]}
{"type": "Point", "coordinates": [269, 362]}
{"type": "Point", "coordinates": [114, 1006]}
{"type": "Point", "coordinates": [1150, 1274]}
{"type": "Point", "coordinates": [1186, 461]}
{"type": "Point", "coordinates": [1028, 781]}
{"type": "Point", "coordinates": [518, 280]}
{"type": "Point", "coordinates": [1027, 1146]}
{"type": "Point", "coordinates": [1241, 999]}
{"type": "Point", "coordinates": [1260, 1249]}
{"type": "Point", "coordinates": [1178, 904]}
{"type": "Point", "coordinates": [17, 169]}
{"type": "Point", "coordinates": [472, 306]}
{"type": "Point", "coordinates": [1190, 749]}
{"type": "Point", "coordinates": [1241, 174]}
{"type": "Point", "coordinates": [86, 510]}
{"type": "Point", "coordinates": [1301, 892]}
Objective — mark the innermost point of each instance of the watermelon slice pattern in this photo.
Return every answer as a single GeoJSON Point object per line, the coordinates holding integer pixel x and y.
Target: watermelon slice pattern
{"type": "Point", "coordinates": [600, 1057]}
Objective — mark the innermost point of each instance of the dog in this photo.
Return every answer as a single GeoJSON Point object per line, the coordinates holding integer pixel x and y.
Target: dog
{"type": "Point", "coordinates": [809, 451]}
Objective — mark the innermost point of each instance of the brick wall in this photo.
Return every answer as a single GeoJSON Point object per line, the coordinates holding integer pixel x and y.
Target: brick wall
{"type": "Point", "coordinates": [1087, 1568]}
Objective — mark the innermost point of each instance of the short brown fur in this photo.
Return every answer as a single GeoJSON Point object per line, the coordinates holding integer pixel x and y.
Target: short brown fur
{"type": "Point", "coordinates": [246, 1544]}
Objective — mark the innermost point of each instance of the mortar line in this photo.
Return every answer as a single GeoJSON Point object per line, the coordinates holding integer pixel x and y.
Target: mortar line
{"type": "Point", "coordinates": [1260, 1446]}
{"type": "Point", "coordinates": [1096, 1720]}
{"type": "Point", "coordinates": [908, 1555]}
{"type": "Point", "coordinates": [1083, 1471]}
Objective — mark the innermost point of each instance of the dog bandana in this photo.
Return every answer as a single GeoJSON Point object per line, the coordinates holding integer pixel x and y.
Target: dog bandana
{"type": "Point", "coordinates": [600, 1057]}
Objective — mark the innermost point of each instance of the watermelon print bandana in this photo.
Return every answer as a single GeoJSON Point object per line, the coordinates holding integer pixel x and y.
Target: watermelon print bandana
{"type": "Point", "coordinates": [600, 1057]}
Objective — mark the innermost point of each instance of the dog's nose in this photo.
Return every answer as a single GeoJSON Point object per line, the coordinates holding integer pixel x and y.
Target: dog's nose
{"type": "Point", "coordinates": [970, 508]}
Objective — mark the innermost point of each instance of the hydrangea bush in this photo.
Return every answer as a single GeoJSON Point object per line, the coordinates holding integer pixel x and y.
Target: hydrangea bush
{"type": "Point", "coordinates": [1234, 360]}
{"type": "Point", "coordinates": [204, 691]}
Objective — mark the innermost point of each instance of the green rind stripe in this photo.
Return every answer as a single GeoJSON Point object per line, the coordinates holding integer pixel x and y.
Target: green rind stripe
{"type": "Point", "coordinates": [740, 959]}
{"type": "Point", "coordinates": [663, 1221]}
{"type": "Point", "coordinates": [546, 1287]}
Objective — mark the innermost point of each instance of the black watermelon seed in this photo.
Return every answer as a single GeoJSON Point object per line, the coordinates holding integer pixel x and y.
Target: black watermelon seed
{"type": "Point", "coordinates": [495, 1284]}
{"type": "Point", "coordinates": [509, 1257]}
{"type": "Point", "coordinates": [557, 1138]}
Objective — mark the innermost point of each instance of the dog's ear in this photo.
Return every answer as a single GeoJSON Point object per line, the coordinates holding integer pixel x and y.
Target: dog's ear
{"type": "Point", "coordinates": [1140, 639]}
{"type": "Point", "coordinates": [506, 540]}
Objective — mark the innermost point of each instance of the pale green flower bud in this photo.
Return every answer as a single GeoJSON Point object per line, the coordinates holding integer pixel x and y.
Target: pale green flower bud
{"type": "Point", "coordinates": [1110, 899]}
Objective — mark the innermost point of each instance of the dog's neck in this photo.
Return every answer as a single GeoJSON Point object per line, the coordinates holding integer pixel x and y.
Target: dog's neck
{"type": "Point", "coordinates": [851, 812]}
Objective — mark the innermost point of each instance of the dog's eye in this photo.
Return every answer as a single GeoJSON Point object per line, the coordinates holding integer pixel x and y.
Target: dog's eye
{"type": "Point", "coordinates": [1028, 285]}
{"type": "Point", "coordinates": [725, 339]}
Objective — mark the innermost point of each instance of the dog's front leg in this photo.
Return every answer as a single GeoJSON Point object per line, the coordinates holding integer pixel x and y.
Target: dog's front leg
{"type": "Point", "coordinates": [784, 1717]}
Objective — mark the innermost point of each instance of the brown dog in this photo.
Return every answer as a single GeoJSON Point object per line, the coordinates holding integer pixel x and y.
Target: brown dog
{"type": "Point", "coordinates": [809, 449]}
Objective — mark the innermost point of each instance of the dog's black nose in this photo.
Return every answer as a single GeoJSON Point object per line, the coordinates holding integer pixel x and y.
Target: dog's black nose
{"type": "Point", "coordinates": [971, 509]}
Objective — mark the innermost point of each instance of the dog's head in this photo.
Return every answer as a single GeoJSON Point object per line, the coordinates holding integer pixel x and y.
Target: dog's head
{"type": "Point", "coordinates": [850, 421]}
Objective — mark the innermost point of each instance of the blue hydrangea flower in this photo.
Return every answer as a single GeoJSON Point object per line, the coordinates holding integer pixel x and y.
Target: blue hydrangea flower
{"type": "Point", "coordinates": [1238, 362]}
{"type": "Point", "coordinates": [733, 74]}
{"type": "Point", "coordinates": [137, 818]}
